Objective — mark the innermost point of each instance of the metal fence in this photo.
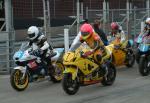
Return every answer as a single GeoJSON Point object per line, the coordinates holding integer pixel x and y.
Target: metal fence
{"type": "Point", "coordinates": [24, 10]}
{"type": "Point", "coordinates": [7, 49]}
{"type": "Point", "coordinates": [136, 16]}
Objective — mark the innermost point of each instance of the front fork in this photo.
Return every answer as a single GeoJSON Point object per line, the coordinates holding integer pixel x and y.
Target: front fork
{"type": "Point", "coordinates": [22, 69]}
{"type": "Point", "coordinates": [72, 71]}
{"type": "Point", "coordinates": [24, 72]}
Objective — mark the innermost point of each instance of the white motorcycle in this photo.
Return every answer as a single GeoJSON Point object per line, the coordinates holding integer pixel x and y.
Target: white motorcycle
{"type": "Point", "coordinates": [32, 68]}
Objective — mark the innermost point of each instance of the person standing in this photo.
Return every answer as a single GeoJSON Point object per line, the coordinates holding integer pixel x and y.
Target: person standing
{"type": "Point", "coordinates": [99, 31]}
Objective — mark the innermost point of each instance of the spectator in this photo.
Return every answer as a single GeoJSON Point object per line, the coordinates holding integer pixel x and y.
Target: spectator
{"type": "Point", "coordinates": [100, 32]}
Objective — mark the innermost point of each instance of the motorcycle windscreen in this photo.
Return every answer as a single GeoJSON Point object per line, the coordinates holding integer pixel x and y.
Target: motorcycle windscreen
{"type": "Point", "coordinates": [144, 47]}
{"type": "Point", "coordinates": [18, 55]}
{"type": "Point", "coordinates": [110, 39]}
{"type": "Point", "coordinates": [60, 50]}
{"type": "Point", "coordinates": [131, 42]}
{"type": "Point", "coordinates": [139, 39]}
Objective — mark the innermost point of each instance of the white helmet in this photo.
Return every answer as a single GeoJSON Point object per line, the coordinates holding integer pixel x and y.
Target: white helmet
{"type": "Point", "coordinates": [147, 20]}
{"type": "Point", "coordinates": [33, 32]}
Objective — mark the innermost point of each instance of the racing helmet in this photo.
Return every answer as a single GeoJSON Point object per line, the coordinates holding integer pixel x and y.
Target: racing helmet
{"type": "Point", "coordinates": [86, 31]}
{"type": "Point", "coordinates": [33, 32]}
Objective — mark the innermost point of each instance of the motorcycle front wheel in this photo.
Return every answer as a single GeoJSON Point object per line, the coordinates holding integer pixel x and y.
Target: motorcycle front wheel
{"type": "Point", "coordinates": [70, 86]}
{"type": "Point", "coordinates": [17, 81]}
{"type": "Point", "coordinates": [143, 66]}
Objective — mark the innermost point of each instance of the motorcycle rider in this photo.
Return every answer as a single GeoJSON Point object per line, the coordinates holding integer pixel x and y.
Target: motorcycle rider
{"type": "Point", "coordinates": [88, 36]}
{"type": "Point", "coordinates": [118, 34]}
{"type": "Point", "coordinates": [76, 42]}
{"type": "Point", "coordinates": [38, 42]}
{"type": "Point", "coordinates": [146, 30]}
{"type": "Point", "coordinates": [96, 45]}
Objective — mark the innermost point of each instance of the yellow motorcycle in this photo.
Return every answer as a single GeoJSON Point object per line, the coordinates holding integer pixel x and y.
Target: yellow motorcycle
{"type": "Point", "coordinates": [121, 56]}
{"type": "Point", "coordinates": [81, 71]}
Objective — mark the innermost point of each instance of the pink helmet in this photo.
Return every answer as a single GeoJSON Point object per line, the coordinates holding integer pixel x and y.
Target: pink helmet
{"type": "Point", "coordinates": [86, 31]}
{"type": "Point", "coordinates": [114, 26]}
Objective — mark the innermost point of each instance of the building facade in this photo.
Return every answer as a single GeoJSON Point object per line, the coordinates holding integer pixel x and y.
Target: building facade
{"type": "Point", "coordinates": [63, 8]}
{"type": "Point", "coordinates": [27, 12]}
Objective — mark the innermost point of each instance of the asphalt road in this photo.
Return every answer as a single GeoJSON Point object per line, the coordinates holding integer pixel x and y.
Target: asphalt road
{"type": "Point", "coordinates": [129, 87]}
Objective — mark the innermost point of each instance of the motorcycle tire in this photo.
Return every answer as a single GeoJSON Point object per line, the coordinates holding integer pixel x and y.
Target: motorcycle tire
{"type": "Point", "coordinates": [143, 69]}
{"type": "Point", "coordinates": [131, 58]}
{"type": "Point", "coordinates": [137, 56]}
{"type": "Point", "coordinates": [110, 77]}
{"type": "Point", "coordinates": [70, 86]}
{"type": "Point", "coordinates": [17, 82]}
{"type": "Point", "coordinates": [58, 73]}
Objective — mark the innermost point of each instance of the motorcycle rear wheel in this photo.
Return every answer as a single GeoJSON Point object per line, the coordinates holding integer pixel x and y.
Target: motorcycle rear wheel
{"type": "Point", "coordinates": [17, 82]}
{"type": "Point", "coordinates": [58, 73]}
{"type": "Point", "coordinates": [131, 58]}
